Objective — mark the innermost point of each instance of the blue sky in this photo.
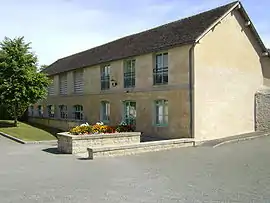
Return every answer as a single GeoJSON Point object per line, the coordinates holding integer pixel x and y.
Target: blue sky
{"type": "Point", "coordinates": [58, 28]}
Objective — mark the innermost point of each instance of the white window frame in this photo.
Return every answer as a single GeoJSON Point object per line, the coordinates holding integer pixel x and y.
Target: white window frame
{"type": "Point", "coordinates": [63, 111]}
{"type": "Point", "coordinates": [105, 74]}
{"type": "Point", "coordinates": [51, 111]}
{"type": "Point", "coordinates": [160, 71]}
{"type": "Point", "coordinates": [105, 111]}
{"type": "Point", "coordinates": [129, 114]}
{"type": "Point", "coordinates": [78, 112]}
{"type": "Point", "coordinates": [161, 112]}
{"type": "Point", "coordinates": [51, 88]}
{"type": "Point", "coordinates": [40, 111]}
{"type": "Point", "coordinates": [129, 73]}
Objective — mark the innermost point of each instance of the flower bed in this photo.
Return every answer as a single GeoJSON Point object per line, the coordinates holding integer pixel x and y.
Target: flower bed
{"type": "Point", "coordinates": [99, 128]}
{"type": "Point", "coordinates": [79, 138]}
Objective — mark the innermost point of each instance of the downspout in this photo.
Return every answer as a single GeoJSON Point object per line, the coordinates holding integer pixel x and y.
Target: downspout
{"type": "Point", "coordinates": [191, 90]}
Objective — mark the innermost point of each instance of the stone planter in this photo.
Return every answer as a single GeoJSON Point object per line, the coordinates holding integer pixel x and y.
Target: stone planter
{"type": "Point", "coordinates": [73, 144]}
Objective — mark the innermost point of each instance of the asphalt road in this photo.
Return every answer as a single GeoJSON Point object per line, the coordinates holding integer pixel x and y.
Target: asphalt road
{"type": "Point", "coordinates": [238, 172]}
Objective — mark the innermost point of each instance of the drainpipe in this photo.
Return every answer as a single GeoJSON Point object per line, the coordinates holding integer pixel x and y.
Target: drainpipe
{"type": "Point", "coordinates": [191, 89]}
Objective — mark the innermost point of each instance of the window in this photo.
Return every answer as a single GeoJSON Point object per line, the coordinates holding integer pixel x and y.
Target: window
{"type": "Point", "coordinates": [40, 110]}
{"type": "Point", "coordinates": [105, 112]}
{"type": "Point", "coordinates": [105, 77]}
{"type": "Point", "coordinates": [78, 112]}
{"type": "Point", "coordinates": [63, 111]}
{"type": "Point", "coordinates": [161, 112]}
{"type": "Point", "coordinates": [51, 88]}
{"type": "Point", "coordinates": [130, 112]}
{"type": "Point", "coordinates": [63, 84]}
{"type": "Point", "coordinates": [160, 72]}
{"type": "Point", "coordinates": [129, 73]}
{"type": "Point", "coordinates": [51, 111]}
{"type": "Point", "coordinates": [78, 81]}
{"type": "Point", "coordinates": [31, 111]}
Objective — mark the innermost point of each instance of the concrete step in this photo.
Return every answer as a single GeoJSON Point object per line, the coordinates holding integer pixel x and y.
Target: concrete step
{"type": "Point", "coordinates": [121, 150]}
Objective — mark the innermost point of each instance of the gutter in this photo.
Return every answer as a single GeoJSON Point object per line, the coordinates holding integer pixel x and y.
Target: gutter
{"type": "Point", "coordinates": [191, 90]}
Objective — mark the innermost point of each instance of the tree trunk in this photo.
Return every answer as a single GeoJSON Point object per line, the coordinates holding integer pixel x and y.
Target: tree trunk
{"type": "Point", "coordinates": [15, 116]}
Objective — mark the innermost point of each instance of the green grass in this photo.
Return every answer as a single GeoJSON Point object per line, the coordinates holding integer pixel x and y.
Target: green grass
{"type": "Point", "coordinates": [28, 132]}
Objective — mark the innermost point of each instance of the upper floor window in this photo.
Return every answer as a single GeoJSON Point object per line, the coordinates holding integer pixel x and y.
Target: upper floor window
{"type": "Point", "coordinates": [129, 73]}
{"type": "Point", "coordinates": [51, 111]}
{"type": "Point", "coordinates": [105, 112]}
{"type": "Point", "coordinates": [63, 111]}
{"type": "Point", "coordinates": [40, 110]}
{"type": "Point", "coordinates": [105, 77]}
{"type": "Point", "coordinates": [160, 71]}
{"type": "Point", "coordinates": [78, 112]}
{"type": "Point", "coordinates": [78, 81]}
{"type": "Point", "coordinates": [51, 88]}
{"type": "Point", "coordinates": [63, 84]}
{"type": "Point", "coordinates": [161, 112]}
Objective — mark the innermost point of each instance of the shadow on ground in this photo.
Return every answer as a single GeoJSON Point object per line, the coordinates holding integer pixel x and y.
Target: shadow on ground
{"type": "Point", "coordinates": [52, 150]}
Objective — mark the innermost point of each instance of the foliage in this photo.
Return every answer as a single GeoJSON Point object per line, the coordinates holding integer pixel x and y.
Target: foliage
{"type": "Point", "coordinates": [81, 130]}
{"type": "Point", "coordinates": [100, 128]}
{"type": "Point", "coordinates": [20, 83]}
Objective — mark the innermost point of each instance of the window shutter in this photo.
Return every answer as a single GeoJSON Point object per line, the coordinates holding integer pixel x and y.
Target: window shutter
{"type": "Point", "coordinates": [63, 84]}
{"type": "Point", "coordinates": [51, 88]}
{"type": "Point", "coordinates": [78, 81]}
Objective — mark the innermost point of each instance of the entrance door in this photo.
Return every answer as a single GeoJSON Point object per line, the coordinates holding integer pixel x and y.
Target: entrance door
{"type": "Point", "coordinates": [130, 113]}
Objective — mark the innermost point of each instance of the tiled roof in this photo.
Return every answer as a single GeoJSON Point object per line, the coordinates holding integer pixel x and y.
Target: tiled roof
{"type": "Point", "coordinates": [184, 31]}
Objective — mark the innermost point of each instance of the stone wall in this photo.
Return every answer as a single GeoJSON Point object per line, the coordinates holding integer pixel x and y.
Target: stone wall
{"type": "Point", "coordinates": [64, 125]}
{"type": "Point", "coordinates": [262, 110]}
{"type": "Point", "coordinates": [73, 144]}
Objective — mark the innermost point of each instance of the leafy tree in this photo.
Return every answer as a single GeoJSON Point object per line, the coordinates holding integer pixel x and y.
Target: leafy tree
{"type": "Point", "coordinates": [42, 67]}
{"type": "Point", "coordinates": [20, 82]}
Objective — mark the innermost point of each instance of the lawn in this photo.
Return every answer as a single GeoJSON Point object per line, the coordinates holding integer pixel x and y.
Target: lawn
{"type": "Point", "coordinates": [27, 132]}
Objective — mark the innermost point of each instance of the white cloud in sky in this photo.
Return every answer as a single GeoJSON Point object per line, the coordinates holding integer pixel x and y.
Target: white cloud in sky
{"type": "Point", "coordinates": [58, 28]}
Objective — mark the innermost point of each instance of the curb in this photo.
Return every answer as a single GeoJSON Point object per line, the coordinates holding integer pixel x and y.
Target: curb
{"type": "Point", "coordinates": [28, 142]}
{"type": "Point", "coordinates": [241, 139]}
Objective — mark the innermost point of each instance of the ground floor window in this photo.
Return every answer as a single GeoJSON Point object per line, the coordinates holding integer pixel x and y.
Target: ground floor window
{"type": "Point", "coordinates": [31, 111]}
{"type": "Point", "coordinates": [51, 111]}
{"type": "Point", "coordinates": [129, 116]}
{"type": "Point", "coordinates": [78, 112]}
{"type": "Point", "coordinates": [105, 112]}
{"type": "Point", "coordinates": [63, 111]}
{"type": "Point", "coordinates": [161, 112]}
{"type": "Point", "coordinates": [40, 110]}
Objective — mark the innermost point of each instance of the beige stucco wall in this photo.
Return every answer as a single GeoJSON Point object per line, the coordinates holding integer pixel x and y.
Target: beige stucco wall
{"type": "Point", "coordinates": [144, 93]}
{"type": "Point", "coordinates": [227, 74]}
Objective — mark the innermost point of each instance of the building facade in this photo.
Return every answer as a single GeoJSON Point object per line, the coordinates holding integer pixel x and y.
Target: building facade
{"type": "Point", "coordinates": [191, 78]}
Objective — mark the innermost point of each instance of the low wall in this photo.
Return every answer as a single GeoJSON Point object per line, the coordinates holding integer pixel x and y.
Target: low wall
{"type": "Point", "coordinates": [64, 125]}
{"type": "Point", "coordinates": [73, 144]}
{"type": "Point", "coordinates": [262, 110]}
{"type": "Point", "coordinates": [138, 148]}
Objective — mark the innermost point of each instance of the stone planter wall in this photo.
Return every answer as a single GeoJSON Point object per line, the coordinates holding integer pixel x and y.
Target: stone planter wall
{"type": "Point", "coordinates": [73, 144]}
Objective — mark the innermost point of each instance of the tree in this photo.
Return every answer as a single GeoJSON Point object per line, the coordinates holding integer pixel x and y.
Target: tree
{"type": "Point", "coordinates": [42, 67]}
{"type": "Point", "coordinates": [20, 82]}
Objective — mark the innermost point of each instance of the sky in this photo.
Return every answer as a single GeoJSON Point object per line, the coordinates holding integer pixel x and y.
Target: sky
{"type": "Point", "coordinates": [58, 28]}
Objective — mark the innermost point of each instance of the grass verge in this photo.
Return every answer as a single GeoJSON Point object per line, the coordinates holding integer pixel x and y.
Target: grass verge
{"type": "Point", "coordinates": [27, 132]}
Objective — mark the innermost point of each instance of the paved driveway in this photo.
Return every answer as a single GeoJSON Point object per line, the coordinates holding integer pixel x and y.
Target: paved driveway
{"type": "Point", "coordinates": [237, 172]}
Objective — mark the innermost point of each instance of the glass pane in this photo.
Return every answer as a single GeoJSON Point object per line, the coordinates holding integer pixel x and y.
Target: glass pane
{"type": "Point", "coordinates": [165, 60]}
{"type": "Point", "coordinates": [166, 119]}
{"type": "Point", "coordinates": [158, 60]}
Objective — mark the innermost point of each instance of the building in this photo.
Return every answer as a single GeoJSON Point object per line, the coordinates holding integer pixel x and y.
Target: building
{"type": "Point", "coordinates": [195, 77]}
